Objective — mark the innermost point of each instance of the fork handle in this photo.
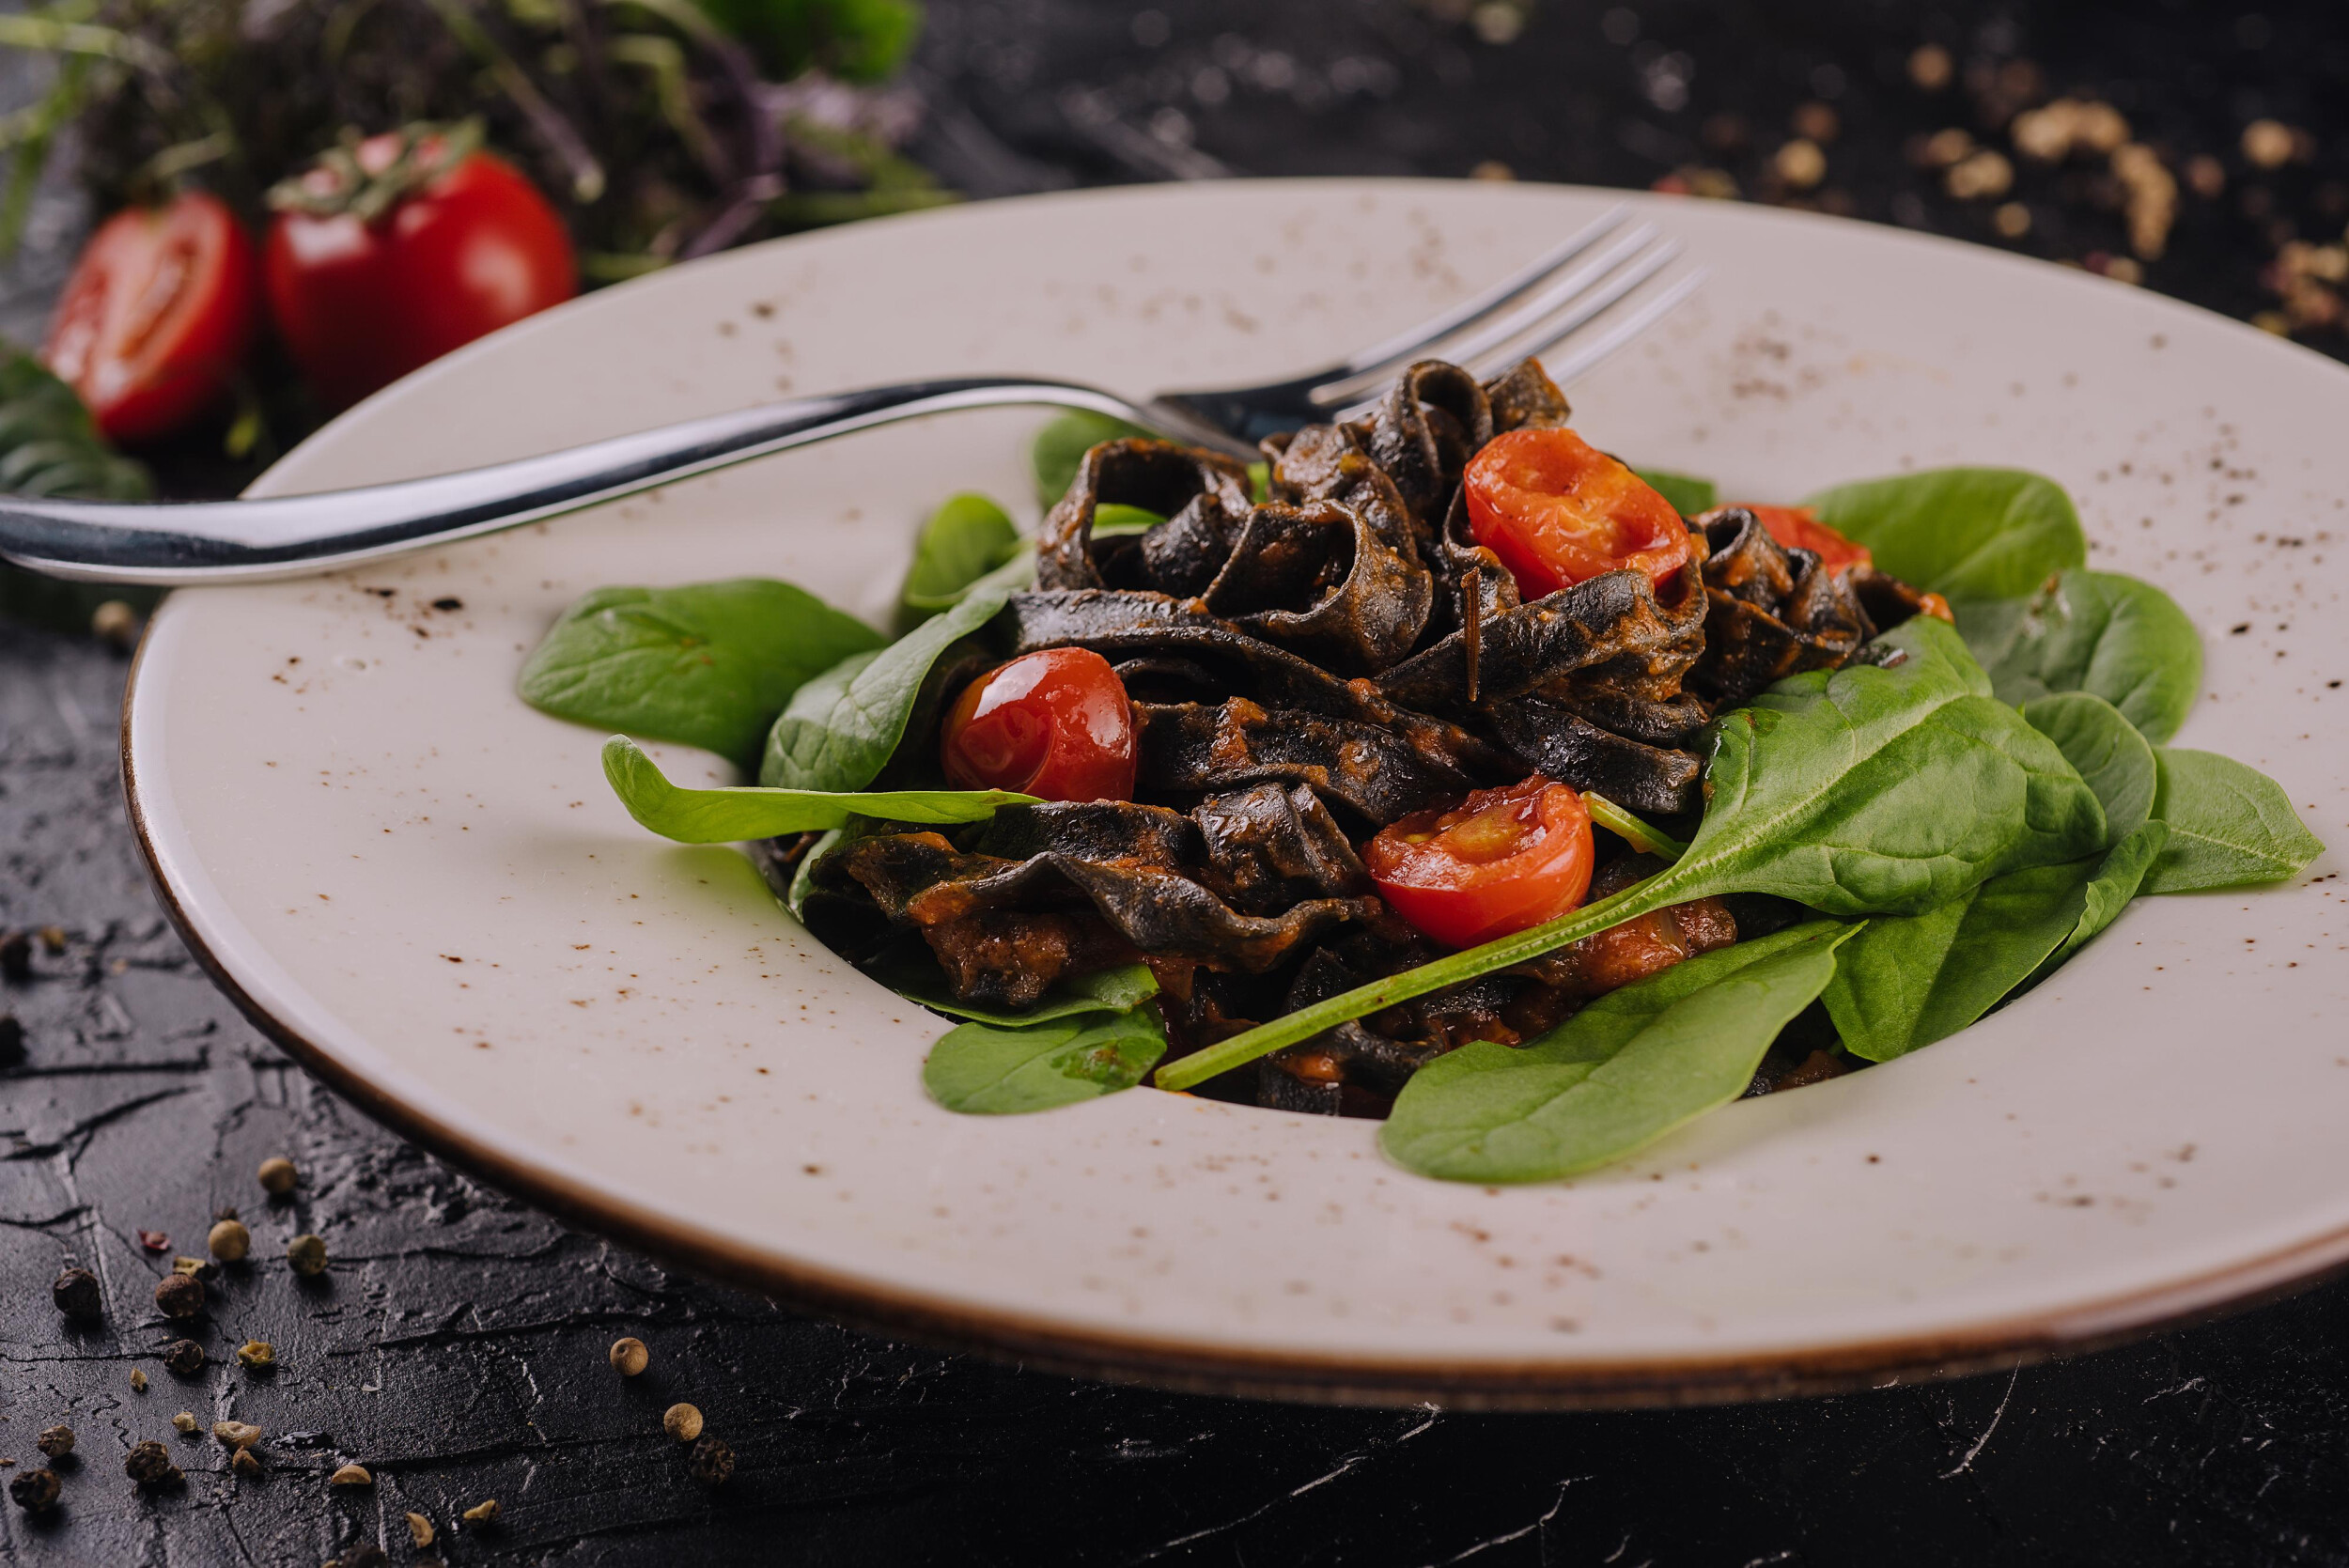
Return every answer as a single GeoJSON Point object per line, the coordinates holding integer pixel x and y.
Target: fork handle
{"type": "Point", "coordinates": [211, 541]}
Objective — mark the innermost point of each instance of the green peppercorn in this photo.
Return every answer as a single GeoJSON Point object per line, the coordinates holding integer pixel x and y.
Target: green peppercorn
{"type": "Point", "coordinates": [35, 1491]}
{"type": "Point", "coordinates": [179, 1296]}
{"type": "Point", "coordinates": [76, 1293]}
{"type": "Point", "coordinates": [229, 1241]}
{"type": "Point", "coordinates": [307, 1254]}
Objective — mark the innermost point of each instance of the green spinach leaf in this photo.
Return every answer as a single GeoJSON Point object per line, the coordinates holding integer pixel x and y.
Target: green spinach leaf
{"type": "Point", "coordinates": [743, 812]}
{"type": "Point", "coordinates": [1688, 496]}
{"type": "Point", "coordinates": [966, 538]}
{"type": "Point", "coordinates": [1062, 444]}
{"type": "Point", "coordinates": [2229, 826]}
{"type": "Point", "coordinates": [1118, 990]}
{"type": "Point", "coordinates": [2118, 876]}
{"type": "Point", "coordinates": [708, 664]}
{"type": "Point", "coordinates": [842, 727]}
{"type": "Point", "coordinates": [2106, 749]}
{"type": "Point", "coordinates": [983, 1070]}
{"type": "Point", "coordinates": [1620, 1074]}
{"type": "Point", "coordinates": [2122, 639]}
{"type": "Point", "coordinates": [1834, 790]}
{"type": "Point", "coordinates": [1968, 532]}
{"type": "Point", "coordinates": [1907, 982]}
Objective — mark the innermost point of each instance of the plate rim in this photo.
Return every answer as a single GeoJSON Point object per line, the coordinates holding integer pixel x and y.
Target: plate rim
{"type": "Point", "coordinates": [1201, 1366]}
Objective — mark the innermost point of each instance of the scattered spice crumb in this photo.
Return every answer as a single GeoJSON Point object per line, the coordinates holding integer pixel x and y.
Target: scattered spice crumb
{"type": "Point", "coordinates": [155, 1241]}
{"type": "Point", "coordinates": [256, 1354]}
{"type": "Point", "coordinates": [184, 1420]}
{"type": "Point", "coordinates": [138, 1381]}
{"type": "Point", "coordinates": [482, 1512]}
{"type": "Point", "coordinates": [237, 1434]}
{"type": "Point", "coordinates": [352, 1475]}
{"type": "Point", "coordinates": [198, 1266]}
{"type": "Point", "coordinates": [54, 1441]}
{"type": "Point", "coordinates": [630, 1357]}
{"type": "Point", "coordinates": [244, 1464]}
{"type": "Point", "coordinates": [419, 1529]}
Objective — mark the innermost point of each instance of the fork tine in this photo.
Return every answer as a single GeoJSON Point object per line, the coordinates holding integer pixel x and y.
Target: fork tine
{"type": "Point", "coordinates": [1573, 312]}
{"type": "Point", "coordinates": [1587, 356]}
{"type": "Point", "coordinates": [1594, 282]}
{"type": "Point", "coordinates": [1406, 345]}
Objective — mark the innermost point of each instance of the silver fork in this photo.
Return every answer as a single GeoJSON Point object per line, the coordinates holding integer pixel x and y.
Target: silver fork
{"type": "Point", "coordinates": [1583, 278]}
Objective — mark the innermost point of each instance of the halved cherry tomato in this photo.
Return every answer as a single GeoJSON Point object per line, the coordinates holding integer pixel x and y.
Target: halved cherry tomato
{"type": "Point", "coordinates": [156, 316]}
{"type": "Point", "coordinates": [1799, 528]}
{"type": "Point", "coordinates": [1054, 724]}
{"type": "Point", "coordinates": [1559, 511]}
{"type": "Point", "coordinates": [1502, 860]}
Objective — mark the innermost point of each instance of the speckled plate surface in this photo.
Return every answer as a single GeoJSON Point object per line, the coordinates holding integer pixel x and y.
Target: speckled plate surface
{"type": "Point", "coordinates": [426, 891]}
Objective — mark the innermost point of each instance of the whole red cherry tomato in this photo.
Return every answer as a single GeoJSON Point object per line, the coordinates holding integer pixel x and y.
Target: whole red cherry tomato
{"type": "Point", "coordinates": [1799, 528]}
{"type": "Point", "coordinates": [1054, 724]}
{"type": "Point", "coordinates": [156, 316]}
{"type": "Point", "coordinates": [387, 255]}
{"type": "Point", "coordinates": [1502, 861]}
{"type": "Point", "coordinates": [1558, 512]}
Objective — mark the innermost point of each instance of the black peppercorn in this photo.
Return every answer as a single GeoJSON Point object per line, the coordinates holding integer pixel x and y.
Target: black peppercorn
{"type": "Point", "coordinates": [55, 1441]}
{"type": "Point", "coordinates": [180, 1295]}
{"type": "Point", "coordinates": [76, 1293]}
{"type": "Point", "coordinates": [11, 1040]}
{"type": "Point", "coordinates": [35, 1491]}
{"type": "Point", "coordinates": [711, 1462]}
{"type": "Point", "coordinates": [16, 956]}
{"type": "Point", "coordinates": [367, 1555]}
{"type": "Point", "coordinates": [149, 1465]}
{"type": "Point", "coordinates": [184, 1356]}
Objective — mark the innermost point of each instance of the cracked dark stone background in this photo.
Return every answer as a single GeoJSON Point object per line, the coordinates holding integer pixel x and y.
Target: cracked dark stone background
{"type": "Point", "coordinates": [457, 1345]}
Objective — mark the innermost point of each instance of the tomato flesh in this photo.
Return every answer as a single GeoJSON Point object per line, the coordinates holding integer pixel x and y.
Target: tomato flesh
{"type": "Point", "coordinates": [1558, 512]}
{"type": "Point", "coordinates": [156, 316]}
{"type": "Point", "coordinates": [1054, 724]}
{"type": "Point", "coordinates": [1799, 528]}
{"type": "Point", "coordinates": [360, 304]}
{"type": "Point", "coordinates": [1501, 861]}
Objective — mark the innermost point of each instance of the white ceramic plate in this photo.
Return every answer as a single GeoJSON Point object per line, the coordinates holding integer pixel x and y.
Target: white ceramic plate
{"type": "Point", "coordinates": [424, 889]}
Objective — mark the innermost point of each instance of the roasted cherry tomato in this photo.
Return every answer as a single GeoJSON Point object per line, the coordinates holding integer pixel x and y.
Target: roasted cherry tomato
{"type": "Point", "coordinates": [388, 256]}
{"type": "Point", "coordinates": [1797, 528]}
{"type": "Point", "coordinates": [1054, 723]}
{"type": "Point", "coordinates": [156, 316]}
{"type": "Point", "coordinates": [1558, 512]}
{"type": "Point", "coordinates": [1502, 860]}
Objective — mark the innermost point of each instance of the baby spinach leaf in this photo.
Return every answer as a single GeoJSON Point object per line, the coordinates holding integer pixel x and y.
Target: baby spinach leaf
{"type": "Point", "coordinates": [1907, 982]}
{"type": "Point", "coordinates": [2107, 751]}
{"type": "Point", "coordinates": [708, 664]}
{"type": "Point", "coordinates": [966, 538]}
{"type": "Point", "coordinates": [2229, 825]}
{"type": "Point", "coordinates": [1620, 1074]}
{"type": "Point", "coordinates": [743, 811]}
{"type": "Point", "coordinates": [1118, 990]}
{"type": "Point", "coordinates": [985, 1070]}
{"type": "Point", "coordinates": [2118, 876]}
{"type": "Point", "coordinates": [1643, 839]}
{"type": "Point", "coordinates": [1062, 444]}
{"type": "Point", "coordinates": [1688, 496]}
{"type": "Point", "coordinates": [841, 727]}
{"type": "Point", "coordinates": [2125, 641]}
{"type": "Point", "coordinates": [1968, 532]}
{"type": "Point", "coordinates": [1834, 790]}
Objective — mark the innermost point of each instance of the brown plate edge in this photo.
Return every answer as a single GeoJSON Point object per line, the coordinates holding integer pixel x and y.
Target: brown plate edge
{"type": "Point", "coordinates": [1054, 1348]}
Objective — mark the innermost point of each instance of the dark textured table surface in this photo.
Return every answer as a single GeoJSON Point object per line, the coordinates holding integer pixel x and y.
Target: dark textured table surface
{"type": "Point", "coordinates": [456, 1344]}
